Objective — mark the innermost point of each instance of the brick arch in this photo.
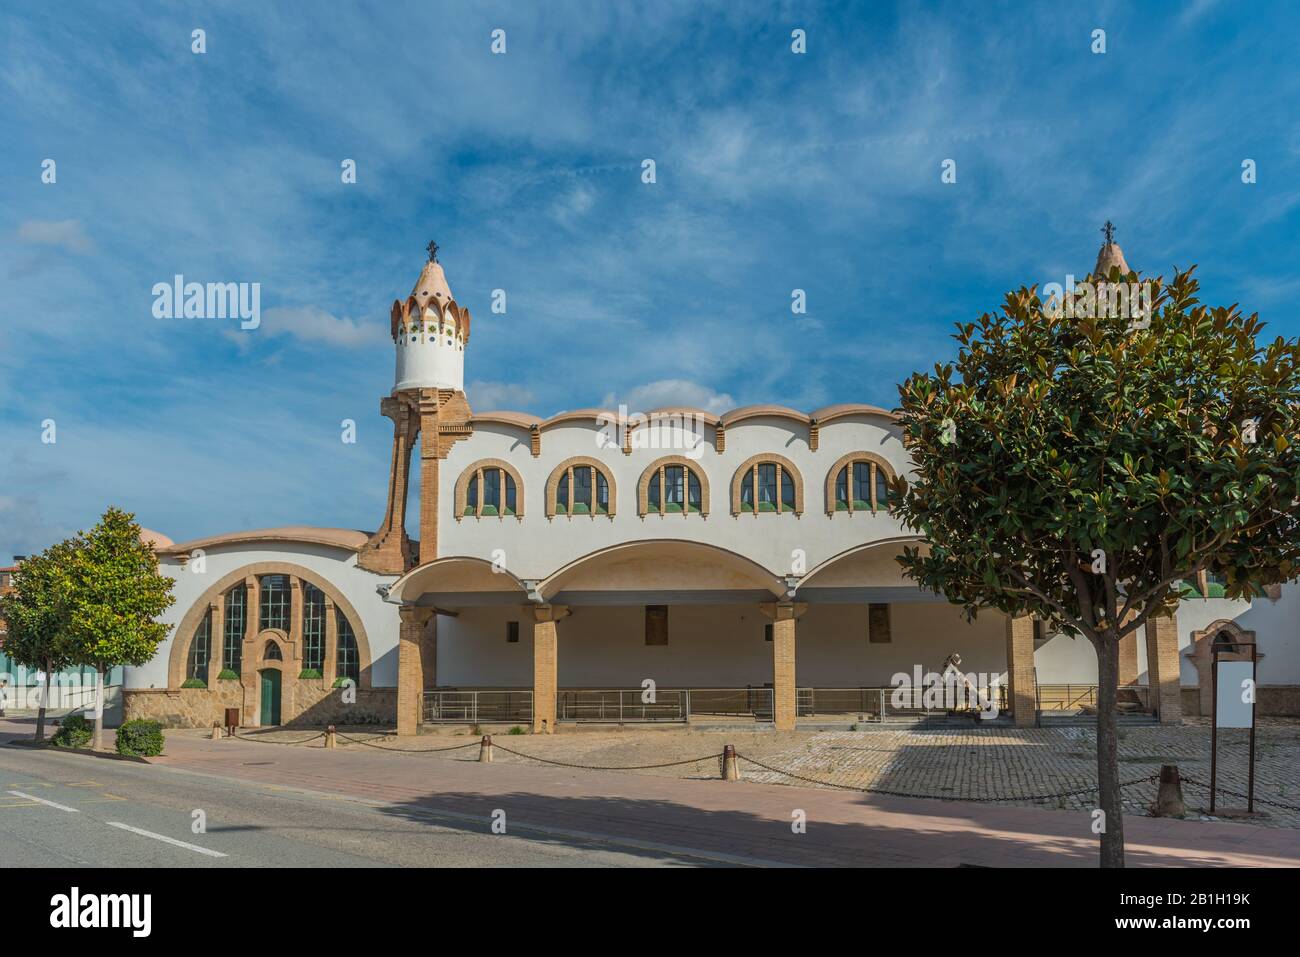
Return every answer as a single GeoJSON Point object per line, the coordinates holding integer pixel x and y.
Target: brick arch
{"type": "Point", "coordinates": [846, 460]}
{"type": "Point", "coordinates": [643, 484]}
{"type": "Point", "coordinates": [1199, 653]}
{"type": "Point", "coordinates": [748, 465]}
{"type": "Point", "coordinates": [579, 461]}
{"type": "Point", "coordinates": [184, 634]}
{"type": "Point", "coordinates": [462, 488]}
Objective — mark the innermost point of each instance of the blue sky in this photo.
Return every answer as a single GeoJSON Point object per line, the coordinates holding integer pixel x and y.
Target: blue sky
{"type": "Point", "coordinates": [775, 171]}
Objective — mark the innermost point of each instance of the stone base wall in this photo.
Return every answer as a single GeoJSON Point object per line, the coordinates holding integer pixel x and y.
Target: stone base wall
{"type": "Point", "coordinates": [314, 705]}
{"type": "Point", "coordinates": [184, 707]}
{"type": "Point", "coordinates": [1272, 701]}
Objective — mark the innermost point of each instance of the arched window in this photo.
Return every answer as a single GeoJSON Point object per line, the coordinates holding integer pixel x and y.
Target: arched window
{"type": "Point", "coordinates": [673, 486]}
{"type": "Point", "coordinates": [234, 627]}
{"type": "Point", "coordinates": [580, 486]}
{"type": "Point", "coordinates": [1224, 643]}
{"type": "Point", "coordinates": [858, 482]}
{"type": "Point", "coordinates": [313, 627]}
{"type": "Point", "coordinates": [498, 487]}
{"type": "Point", "coordinates": [767, 483]}
{"type": "Point", "coordinates": [348, 658]}
{"type": "Point", "coordinates": [200, 651]}
{"type": "Point", "coordinates": [489, 488]}
{"type": "Point", "coordinates": [271, 651]}
{"type": "Point", "coordinates": [275, 601]}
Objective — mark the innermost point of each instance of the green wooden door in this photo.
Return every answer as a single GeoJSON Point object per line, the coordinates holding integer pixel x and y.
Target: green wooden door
{"type": "Point", "coordinates": [270, 696]}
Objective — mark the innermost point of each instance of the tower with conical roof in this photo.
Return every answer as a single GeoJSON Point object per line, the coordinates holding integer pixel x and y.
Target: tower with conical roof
{"type": "Point", "coordinates": [430, 332]}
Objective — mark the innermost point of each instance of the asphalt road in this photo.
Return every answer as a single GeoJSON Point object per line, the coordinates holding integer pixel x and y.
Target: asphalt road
{"type": "Point", "coordinates": [66, 810]}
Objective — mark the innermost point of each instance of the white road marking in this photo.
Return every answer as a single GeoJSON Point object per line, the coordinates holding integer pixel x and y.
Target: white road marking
{"type": "Point", "coordinates": [164, 838]}
{"type": "Point", "coordinates": [32, 797]}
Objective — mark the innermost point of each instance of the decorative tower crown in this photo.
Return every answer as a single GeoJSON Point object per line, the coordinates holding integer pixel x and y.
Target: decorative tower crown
{"type": "Point", "coordinates": [430, 331]}
{"type": "Point", "coordinates": [1110, 254]}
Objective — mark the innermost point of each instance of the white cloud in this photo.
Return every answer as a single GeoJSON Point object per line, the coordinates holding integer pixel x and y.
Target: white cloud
{"type": "Point", "coordinates": [315, 325]}
{"type": "Point", "coordinates": [665, 393]}
{"type": "Point", "coordinates": [63, 233]}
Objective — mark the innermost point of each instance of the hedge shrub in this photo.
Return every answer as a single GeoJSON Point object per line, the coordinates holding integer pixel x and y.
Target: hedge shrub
{"type": "Point", "coordinates": [140, 737]}
{"type": "Point", "coordinates": [74, 732]}
{"type": "Point", "coordinates": [194, 683]}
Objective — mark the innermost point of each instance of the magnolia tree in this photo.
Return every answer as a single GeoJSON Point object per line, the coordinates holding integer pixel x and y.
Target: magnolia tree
{"type": "Point", "coordinates": [1081, 458]}
{"type": "Point", "coordinates": [36, 636]}
{"type": "Point", "coordinates": [111, 596]}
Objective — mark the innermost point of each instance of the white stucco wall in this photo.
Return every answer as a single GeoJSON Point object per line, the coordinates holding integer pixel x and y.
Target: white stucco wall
{"type": "Point", "coordinates": [537, 546]}
{"type": "Point", "coordinates": [715, 646]}
{"type": "Point", "coordinates": [337, 566]}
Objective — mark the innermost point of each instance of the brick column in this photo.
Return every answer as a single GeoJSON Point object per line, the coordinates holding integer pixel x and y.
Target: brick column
{"type": "Point", "coordinates": [389, 550]}
{"type": "Point", "coordinates": [546, 665]}
{"type": "Point", "coordinates": [1022, 683]}
{"type": "Point", "coordinates": [217, 638]}
{"type": "Point", "coordinates": [1162, 668]}
{"type": "Point", "coordinates": [296, 597]}
{"type": "Point", "coordinates": [1128, 660]}
{"type": "Point", "coordinates": [329, 667]}
{"type": "Point", "coordinates": [785, 703]}
{"type": "Point", "coordinates": [410, 668]}
{"type": "Point", "coordinates": [248, 676]}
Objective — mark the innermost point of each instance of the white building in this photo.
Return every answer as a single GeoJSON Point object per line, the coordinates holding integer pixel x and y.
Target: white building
{"type": "Point", "coordinates": [747, 557]}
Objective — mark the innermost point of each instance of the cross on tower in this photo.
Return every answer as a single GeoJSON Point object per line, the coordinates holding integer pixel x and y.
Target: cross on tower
{"type": "Point", "coordinates": [433, 251]}
{"type": "Point", "coordinates": [1109, 232]}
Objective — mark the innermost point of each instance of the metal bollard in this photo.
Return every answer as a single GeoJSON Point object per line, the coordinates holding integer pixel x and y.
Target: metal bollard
{"type": "Point", "coordinates": [331, 741]}
{"type": "Point", "coordinates": [730, 769]}
{"type": "Point", "coordinates": [485, 750]}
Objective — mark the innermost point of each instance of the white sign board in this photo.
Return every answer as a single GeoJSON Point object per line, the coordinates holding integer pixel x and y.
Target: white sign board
{"type": "Point", "coordinates": [1236, 695]}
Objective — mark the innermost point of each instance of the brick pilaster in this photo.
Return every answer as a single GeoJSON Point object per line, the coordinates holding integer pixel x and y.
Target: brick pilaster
{"type": "Point", "coordinates": [1022, 683]}
{"type": "Point", "coordinates": [329, 667]}
{"type": "Point", "coordinates": [248, 676]}
{"type": "Point", "coordinates": [217, 640]}
{"type": "Point", "coordinates": [1162, 668]}
{"type": "Point", "coordinates": [429, 455]}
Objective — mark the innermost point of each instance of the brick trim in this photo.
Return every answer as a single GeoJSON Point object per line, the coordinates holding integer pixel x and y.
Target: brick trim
{"type": "Point", "coordinates": [562, 470]}
{"type": "Point", "coordinates": [643, 485]}
{"type": "Point", "coordinates": [844, 461]}
{"type": "Point", "coordinates": [184, 634]}
{"type": "Point", "coordinates": [747, 467]}
{"type": "Point", "coordinates": [460, 498]}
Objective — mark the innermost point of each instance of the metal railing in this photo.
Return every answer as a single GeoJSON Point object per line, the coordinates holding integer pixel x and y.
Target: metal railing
{"type": "Point", "coordinates": [756, 703]}
{"type": "Point", "coordinates": [879, 704]}
{"type": "Point", "coordinates": [623, 706]}
{"type": "Point", "coordinates": [475, 707]}
{"type": "Point", "coordinates": [1075, 698]}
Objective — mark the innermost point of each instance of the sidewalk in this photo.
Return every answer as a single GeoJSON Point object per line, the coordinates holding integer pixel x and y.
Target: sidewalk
{"type": "Point", "coordinates": [741, 822]}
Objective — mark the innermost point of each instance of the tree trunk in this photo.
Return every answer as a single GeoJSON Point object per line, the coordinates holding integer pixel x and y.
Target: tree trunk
{"type": "Point", "coordinates": [42, 704]}
{"type": "Point", "coordinates": [99, 707]}
{"type": "Point", "coordinates": [1112, 838]}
